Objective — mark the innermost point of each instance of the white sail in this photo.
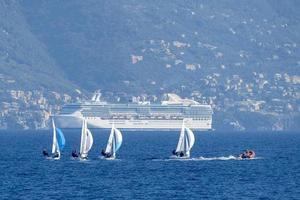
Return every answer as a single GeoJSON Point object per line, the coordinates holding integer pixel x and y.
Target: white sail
{"type": "Point", "coordinates": [186, 141]}
{"type": "Point", "coordinates": [86, 140]}
{"type": "Point", "coordinates": [55, 147]}
{"type": "Point", "coordinates": [190, 138]}
{"type": "Point", "coordinates": [109, 146]}
{"type": "Point", "coordinates": [180, 145]}
{"type": "Point", "coordinates": [89, 141]}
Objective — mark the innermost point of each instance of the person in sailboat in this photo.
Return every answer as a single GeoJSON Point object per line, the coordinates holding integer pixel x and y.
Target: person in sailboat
{"type": "Point", "coordinates": [178, 154]}
{"type": "Point", "coordinates": [106, 155]}
{"type": "Point", "coordinates": [75, 154]}
{"type": "Point", "coordinates": [174, 152]}
{"type": "Point", "coordinates": [45, 153]}
{"type": "Point", "coordinates": [103, 152]}
{"type": "Point", "coordinates": [55, 155]}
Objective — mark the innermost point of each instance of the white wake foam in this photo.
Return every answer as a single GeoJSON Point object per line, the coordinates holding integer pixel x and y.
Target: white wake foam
{"type": "Point", "coordinates": [231, 157]}
{"type": "Point", "coordinates": [201, 158]}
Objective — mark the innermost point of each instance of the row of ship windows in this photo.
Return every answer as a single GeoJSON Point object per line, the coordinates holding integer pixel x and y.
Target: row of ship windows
{"type": "Point", "coordinates": [148, 111]}
{"type": "Point", "coordinates": [101, 114]}
{"type": "Point", "coordinates": [146, 118]}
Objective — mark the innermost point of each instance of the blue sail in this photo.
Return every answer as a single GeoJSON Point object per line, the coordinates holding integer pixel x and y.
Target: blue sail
{"type": "Point", "coordinates": [118, 145]}
{"type": "Point", "coordinates": [60, 139]}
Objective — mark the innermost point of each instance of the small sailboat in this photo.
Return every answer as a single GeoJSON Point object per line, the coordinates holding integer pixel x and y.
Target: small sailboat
{"type": "Point", "coordinates": [86, 141]}
{"type": "Point", "coordinates": [58, 142]}
{"type": "Point", "coordinates": [185, 143]}
{"type": "Point", "coordinates": [113, 145]}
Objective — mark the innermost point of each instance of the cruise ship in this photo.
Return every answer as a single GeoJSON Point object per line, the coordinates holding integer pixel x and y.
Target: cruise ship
{"type": "Point", "coordinates": [137, 115]}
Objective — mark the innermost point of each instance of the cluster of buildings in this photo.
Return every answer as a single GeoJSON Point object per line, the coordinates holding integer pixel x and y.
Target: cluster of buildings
{"type": "Point", "coordinates": [29, 109]}
{"type": "Point", "coordinates": [276, 96]}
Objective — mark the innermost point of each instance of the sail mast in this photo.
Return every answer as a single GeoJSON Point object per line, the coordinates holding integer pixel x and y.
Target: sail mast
{"type": "Point", "coordinates": [82, 137]}
{"type": "Point", "coordinates": [85, 137]}
{"type": "Point", "coordinates": [114, 143]}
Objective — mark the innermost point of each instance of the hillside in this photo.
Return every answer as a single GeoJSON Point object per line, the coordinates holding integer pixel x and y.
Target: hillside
{"type": "Point", "coordinates": [242, 58]}
{"type": "Point", "coordinates": [24, 60]}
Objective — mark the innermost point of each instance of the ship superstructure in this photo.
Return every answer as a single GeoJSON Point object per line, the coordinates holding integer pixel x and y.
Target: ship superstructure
{"type": "Point", "coordinates": [167, 115]}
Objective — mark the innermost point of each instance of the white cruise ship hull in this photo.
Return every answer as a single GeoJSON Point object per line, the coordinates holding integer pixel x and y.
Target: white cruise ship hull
{"type": "Point", "coordinates": [72, 121]}
{"type": "Point", "coordinates": [168, 115]}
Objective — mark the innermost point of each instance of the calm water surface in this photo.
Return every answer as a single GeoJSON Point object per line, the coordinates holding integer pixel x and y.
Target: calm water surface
{"type": "Point", "coordinates": [144, 170]}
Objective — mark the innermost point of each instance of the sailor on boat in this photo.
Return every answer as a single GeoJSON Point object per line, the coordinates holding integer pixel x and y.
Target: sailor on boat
{"type": "Point", "coordinates": [56, 155]}
{"type": "Point", "coordinates": [178, 154]}
{"type": "Point", "coordinates": [185, 143]}
{"type": "Point", "coordinates": [106, 155]}
{"type": "Point", "coordinates": [247, 154]}
{"type": "Point", "coordinates": [45, 153]}
{"type": "Point", "coordinates": [75, 154]}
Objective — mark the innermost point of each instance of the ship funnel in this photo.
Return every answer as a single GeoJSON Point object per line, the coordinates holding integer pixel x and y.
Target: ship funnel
{"type": "Point", "coordinates": [96, 96]}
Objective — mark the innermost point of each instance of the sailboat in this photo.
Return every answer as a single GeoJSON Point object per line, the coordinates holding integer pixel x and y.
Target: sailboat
{"type": "Point", "coordinates": [58, 142]}
{"type": "Point", "coordinates": [86, 141]}
{"type": "Point", "coordinates": [185, 143]}
{"type": "Point", "coordinates": [113, 145]}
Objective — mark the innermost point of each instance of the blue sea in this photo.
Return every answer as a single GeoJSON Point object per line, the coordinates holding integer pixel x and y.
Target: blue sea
{"type": "Point", "coordinates": [143, 169]}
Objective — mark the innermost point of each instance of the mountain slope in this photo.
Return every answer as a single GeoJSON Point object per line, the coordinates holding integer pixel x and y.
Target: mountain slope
{"type": "Point", "coordinates": [24, 60]}
{"type": "Point", "coordinates": [101, 40]}
{"type": "Point", "coordinates": [240, 57]}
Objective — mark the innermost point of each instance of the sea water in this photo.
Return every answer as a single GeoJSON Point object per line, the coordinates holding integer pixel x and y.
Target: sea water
{"type": "Point", "coordinates": [143, 169]}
